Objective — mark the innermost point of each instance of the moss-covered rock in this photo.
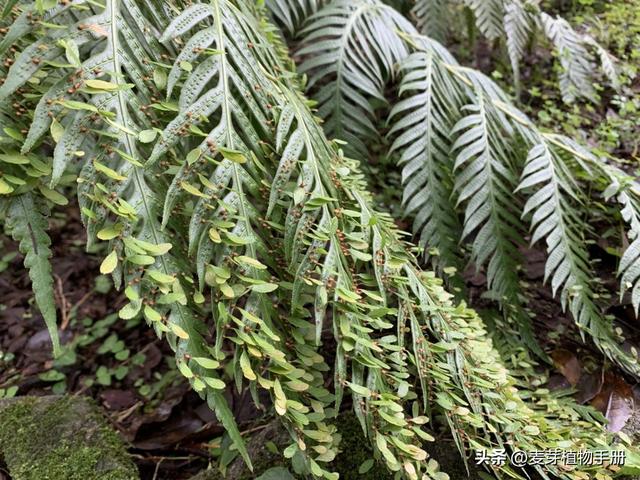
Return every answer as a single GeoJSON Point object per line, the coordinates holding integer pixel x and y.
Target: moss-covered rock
{"type": "Point", "coordinates": [60, 438]}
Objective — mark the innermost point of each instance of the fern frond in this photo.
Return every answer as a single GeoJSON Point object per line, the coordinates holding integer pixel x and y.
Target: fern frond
{"type": "Point", "coordinates": [98, 98]}
{"type": "Point", "coordinates": [489, 15]}
{"type": "Point", "coordinates": [518, 26]}
{"type": "Point", "coordinates": [422, 124]}
{"type": "Point", "coordinates": [343, 256]}
{"type": "Point", "coordinates": [293, 14]}
{"type": "Point", "coordinates": [576, 78]}
{"type": "Point", "coordinates": [351, 49]}
{"type": "Point", "coordinates": [607, 61]}
{"type": "Point", "coordinates": [568, 267]}
{"type": "Point", "coordinates": [431, 18]}
{"type": "Point", "coordinates": [626, 193]}
{"type": "Point", "coordinates": [28, 226]}
{"type": "Point", "coordinates": [515, 22]}
{"type": "Point", "coordinates": [485, 182]}
{"type": "Point", "coordinates": [264, 217]}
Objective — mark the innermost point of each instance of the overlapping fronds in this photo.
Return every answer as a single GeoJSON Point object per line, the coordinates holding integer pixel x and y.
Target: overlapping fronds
{"type": "Point", "coordinates": [431, 18]}
{"type": "Point", "coordinates": [426, 146]}
{"type": "Point", "coordinates": [292, 14]}
{"type": "Point", "coordinates": [96, 81]}
{"type": "Point", "coordinates": [247, 239]}
{"type": "Point", "coordinates": [45, 73]}
{"type": "Point", "coordinates": [561, 223]}
{"type": "Point", "coordinates": [556, 217]}
{"type": "Point", "coordinates": [339, 252]}
{"type": "Point", "coordinates": [349, 54]}
{"type": "Point", "coordinates": [344, 256]}
{"type": "Point", "coordinates": [515, 22]}
{"type": "Point", "coordinates": [485, 154]}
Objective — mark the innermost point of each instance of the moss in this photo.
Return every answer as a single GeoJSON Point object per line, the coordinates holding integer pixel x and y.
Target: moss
{"type": "Point", "coordinates": [56, 438]}
{"type": "Point", "coordinates": [354, 450]}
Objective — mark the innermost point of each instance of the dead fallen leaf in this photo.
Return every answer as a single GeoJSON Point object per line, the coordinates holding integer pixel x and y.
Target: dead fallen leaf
{"type": "Point", "coordinates": [568, 365]}
{"type": "Point", "coordinates": [115, 399]}
{"type": "Point", "coordinates": [615, 401]}
{"type": "Point", "coordinates": [589, 386]}
{"type": "Point", "coordinates": [620, 407]}
{"type": "Point", "coordinates": [167, 434]}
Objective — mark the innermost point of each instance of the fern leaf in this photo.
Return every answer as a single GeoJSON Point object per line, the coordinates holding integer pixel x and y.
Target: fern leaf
{"type": "Point", "coordinates": [29, 227]}
{"type": "Point", "coordinates": [576, 62]}
{"type": "Point", "coordinates": [431, 18]}
{"type": "Point", "coordinates": [485, 182]}
{"type": "Point", "coordinates": [607, 61]}
{"type": "Point", "coordinates": [293, 14]}
{"type": "Point", "coordinates": [568, 264]}
{"type": "Point", "coordinates": [629, 267]}
{"type": "Point", "coordinates": [250, 279]}
{"type": "Point", "coordinates": [235, 84]}
{"type": "Point", "coordinates": [489, 15]}
{"type": "Point", "coordinates": [425, 120]}
{"type": "Point", "coordinates": [518, 26]}
{"type": "Point", "coordinates": [352, 49]}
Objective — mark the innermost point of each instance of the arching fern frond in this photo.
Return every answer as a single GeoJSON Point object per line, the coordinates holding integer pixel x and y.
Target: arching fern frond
{"type": "Point", "coordinates": [515, 22]}
{"type": "Point", "coordinates": [28, 226]}
{"type": "Point", "coordinates": [576, 77]}
{"type": "Point", "coordinates": [489, 15]}
{"type": "Point", "coordinates": [519, 24]}
{"type": "Point", "coordinates": [350, 49]}
{"type": "Point", "coordinates": [568, 267]}
{"type": "Point", "coordinates": [95, 67]}
{"type": "Point", "coordinates": [292, 14]}
{"type": "Point", "coordinates": [422, 124]}
{"type": "Point", "coordinates": [247, 239]}
{"type": "Point", "coordinates": [431, 18]}
{"type": "Point", "coordinates": [607, 61]}
{"type": "Point", "coordinates": [326, 246]}
{"type": "Point", "coordinates": [626, 192]}
{"type": "Point", "coordinates": [485, 181]}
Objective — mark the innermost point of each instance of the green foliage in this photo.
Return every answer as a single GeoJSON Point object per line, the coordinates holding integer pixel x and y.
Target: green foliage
{"type": "Point", "coordinates": [629, 268]}
{"type": "Point", "coordinates": [427, 165]}
{"type": "Point", "coordinates": [610, 125]}
{"type": "Point", "coordinates": [555, 218]}
{"type": "Point", "coordinates": [28, 226]}
{"type": "Point", "coordinates": [485, 154]}
{"type": "Point", "coordinates": [431, 18]}
{"type": "Point", "coordinates": [247, 239]}
{"type": "Point", "coordinates": [350, 66]}
{"type": "Point", "coordinates": [292, 15]}
{"type": "Point", "coordinates": [515, 23]}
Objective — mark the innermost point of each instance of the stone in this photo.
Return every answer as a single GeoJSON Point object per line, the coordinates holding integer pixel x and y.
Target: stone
{"type": "Point", "coordinates": [60, 438]}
